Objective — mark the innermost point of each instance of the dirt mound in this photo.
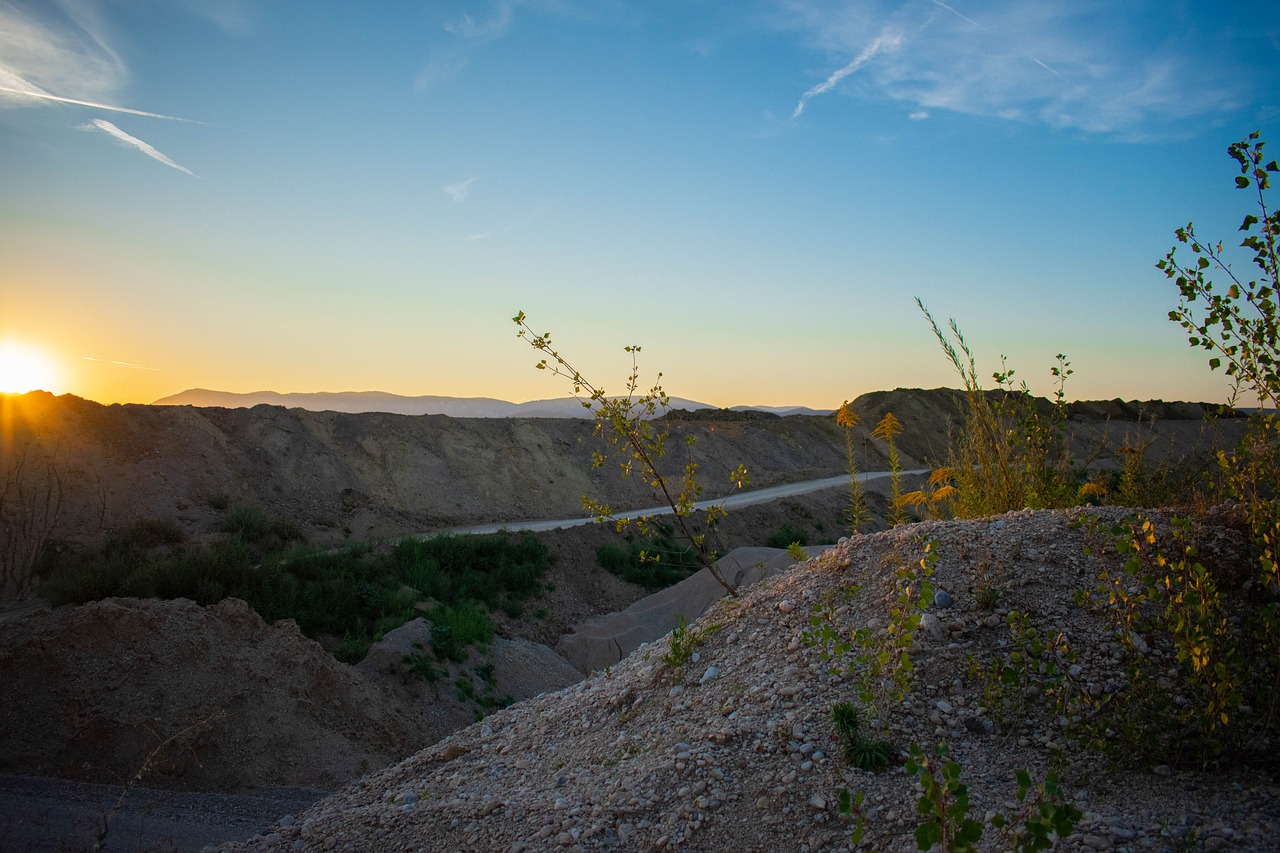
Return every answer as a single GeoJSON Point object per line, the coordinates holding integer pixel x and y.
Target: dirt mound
{"type": "Point", "coordinates": [736, 749]}
{"type": "Point", "coordinates": [92, 690]}
{"type": "Point", "coordinates": [341, 476]}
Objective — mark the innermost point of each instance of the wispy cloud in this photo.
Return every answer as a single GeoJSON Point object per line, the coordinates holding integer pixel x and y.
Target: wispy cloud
{"type": "Point", "coordinates": [57, 48]}
{"type": "Point", "coordinates": [494, 26]}
{"type": "Point", "coordinates": [118, 363]}
{"type": "Point", "coordinates": [27, 90]}
{"type": "Point", "coordinates": [468, 34]}
{"type": "Point", "coordinates": [886, 41]}
{"type": "Point", "coordinates": [458, 191]}
{"type": "Point", "coordinates": [231, 16]}
{"type": "Point", "coordinates": [1132, 71]}
{"type": "Point", "coordinates": [62, 53]}
{"type": "Point", "coordinates": [138, 144]}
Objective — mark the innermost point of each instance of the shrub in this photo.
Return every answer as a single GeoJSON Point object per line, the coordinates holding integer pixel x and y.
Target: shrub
{"type": "Point", "coordinates": [351, 593]}
{"type": "Point", "coordinates": [1013, 451]}
{"type": "Point", "coordinates": [455, 628]}
{"type": "Point", "coordinates": [785, 535]}
{"type": "Point", "coordinates": [1240, 325]}
{"type": "Point", "coordinates": [654, 563]}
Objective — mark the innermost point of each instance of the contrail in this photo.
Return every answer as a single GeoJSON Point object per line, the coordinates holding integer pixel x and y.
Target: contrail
{"type": "Point", "coordinates": [46, 96]}
{"type": "Point", "coordinates": [883, 41]}
{"type": "Point", "coordinates": [119, 363]}
{"type": "Point", "coordinates": [957, 14]}
{"type": "Point", "coordinates": [135, 142]}
{"type": "Point", "coordinates": [969, 20]}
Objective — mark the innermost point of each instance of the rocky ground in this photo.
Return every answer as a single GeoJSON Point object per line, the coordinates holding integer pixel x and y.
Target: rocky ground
{"type": "Point", "coordinates": [243, 706]}
{"type": "Point", "coordinates": [735, 749]}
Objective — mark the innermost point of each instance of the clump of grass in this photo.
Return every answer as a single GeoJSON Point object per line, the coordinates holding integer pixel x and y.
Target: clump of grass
{"type": "Point", "coordinates": [252, 524]}
{"type": "Point", "coordinates": [869, 754]}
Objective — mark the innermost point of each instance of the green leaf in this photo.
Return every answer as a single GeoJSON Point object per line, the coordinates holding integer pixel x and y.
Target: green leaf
{"type": "Point", "coordinates": [1242, 182]}
{"type": "Point", "coordinates": [928, 834]}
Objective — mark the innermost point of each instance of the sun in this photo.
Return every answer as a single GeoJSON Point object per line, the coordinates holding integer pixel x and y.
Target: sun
{"type": "Point", "coordinates": [25, 368]}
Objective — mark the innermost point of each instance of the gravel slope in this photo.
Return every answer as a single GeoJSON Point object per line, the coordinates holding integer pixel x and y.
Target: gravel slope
{"type": "Point", "coordinates": [735, 750]}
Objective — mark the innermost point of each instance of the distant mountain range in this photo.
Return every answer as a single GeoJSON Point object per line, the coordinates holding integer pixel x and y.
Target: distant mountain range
{"type": "Point", "coordinates": [455, 407]}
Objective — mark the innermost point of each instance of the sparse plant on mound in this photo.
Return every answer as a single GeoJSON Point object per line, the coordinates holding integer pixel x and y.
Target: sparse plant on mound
{"type": "Point", "coordinates": [1013, 451]}
{"type": "Point", "coordinates": [944, 803]}
{"type": "Point", "coordinates": [879, 660]}
{"type": "Point", "coordinates": [684, 640]}
{"type": "Point", "coordinates": [870, 754]}
{"type": "Point", "coordinates": [1040, 666]}
{"type": "Point", "coordinates": [1240, 328]}
{"type": "Point", "coordinates": [1164, 597]}
{"type": "Point", "coordinates": [888, 429]}
{"type": "Point", "coordinates": [856, 513]}
{"type": "Point", "coordinates": [627, 425]}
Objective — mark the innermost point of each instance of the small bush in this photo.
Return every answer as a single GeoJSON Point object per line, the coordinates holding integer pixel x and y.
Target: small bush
{"type": "Point", "coordinates": [455, 628]}
{"type": "Point", "coordinates": [785, 535]}
{"type": "Point", "coordinates": [653, 564]}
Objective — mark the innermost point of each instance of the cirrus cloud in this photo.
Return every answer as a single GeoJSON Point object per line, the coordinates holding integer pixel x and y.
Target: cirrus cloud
{"type": "Point", "coordinates": [1135, 70]}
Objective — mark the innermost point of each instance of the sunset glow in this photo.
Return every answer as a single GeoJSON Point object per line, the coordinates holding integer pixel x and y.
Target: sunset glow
{"type": "Point", "coordinates": [754, 192]}
{"type": "Point", "coordinates": [25, 368]}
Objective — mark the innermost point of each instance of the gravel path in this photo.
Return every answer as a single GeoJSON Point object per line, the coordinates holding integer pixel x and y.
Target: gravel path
{"type": "Point", "coordinates": [737, 500]}
{"type": "Point", "coordinates": [58, 815]}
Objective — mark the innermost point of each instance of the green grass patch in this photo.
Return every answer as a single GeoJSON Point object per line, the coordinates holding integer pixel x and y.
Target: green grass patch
{"type": "Point", "coordinates": [355, 593]}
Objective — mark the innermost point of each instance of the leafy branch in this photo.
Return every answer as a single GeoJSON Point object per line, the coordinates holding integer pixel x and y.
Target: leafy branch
{"type": "Point", "coordinates": [627, 425]}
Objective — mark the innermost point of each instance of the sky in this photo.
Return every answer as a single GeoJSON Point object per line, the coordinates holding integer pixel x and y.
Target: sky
{"type": "Point", "coordinates": [246, 195]}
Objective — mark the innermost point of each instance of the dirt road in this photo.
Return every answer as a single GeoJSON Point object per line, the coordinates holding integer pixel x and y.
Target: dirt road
{"type": "Point", "coordinates": [39, 815]}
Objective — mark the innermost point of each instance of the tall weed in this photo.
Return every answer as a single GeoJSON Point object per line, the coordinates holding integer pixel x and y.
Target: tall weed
{"type": "Point", "coordinates": [1013, 451]}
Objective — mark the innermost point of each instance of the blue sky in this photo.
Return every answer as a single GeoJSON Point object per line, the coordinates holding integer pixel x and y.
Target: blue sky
{"type": "Point", "coordinates": [319, 196]}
